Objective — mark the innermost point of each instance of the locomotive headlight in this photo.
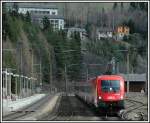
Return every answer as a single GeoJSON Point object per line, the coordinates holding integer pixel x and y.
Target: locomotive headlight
{"type": "Point", "coordinates": [121, 97]}
{"type": "Point", "coordinates": [99, 97]}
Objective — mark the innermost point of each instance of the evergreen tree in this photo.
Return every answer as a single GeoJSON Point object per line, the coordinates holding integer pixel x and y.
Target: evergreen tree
{"type": "Point", "coordinates": [15, 9]}
{"type": "Point", "coordinates": [103, 10]}
{"type": "Point", "coordinates": [4, 21]}
{"type": "Point", "coordinates": [46, 23]}
{"type": "Point", "coordinates": [60, 45]}
{"type": "Point", "coordinates": [75, 57]}
{"type": "Point", "coordinates": [103, 18]}
{"type": "Point", "coordinates": [122, 6]}
{"type": "Point", "coordinates": [133, 58]}
{"type": "Point", "coordinates": [146, 7]}
{"type": "Point", "coordinates": [131, 25]}
{"type": "Point", "coordinates": [28, 17]}
{"type": "Point", "coordinates": [115, 6]}
{"type": "Point", "coordinates": [142, 5]}
{"type": "Point", "coordinates": [133, 6]}
{"type": "Point", "coordinates": [87, 27]}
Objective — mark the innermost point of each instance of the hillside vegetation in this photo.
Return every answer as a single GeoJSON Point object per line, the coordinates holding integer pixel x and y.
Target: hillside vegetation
{"type": "Point", "coordinates": [26, 45]}
{"type": "Point", "coordinates": [33, 44]}
{"type": "Point", "coordinates": [25, 38]}
{"type": "Point", "coordinates": [135, 16]}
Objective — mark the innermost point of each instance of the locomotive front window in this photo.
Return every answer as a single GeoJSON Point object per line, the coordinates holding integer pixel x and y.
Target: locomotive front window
{"type": "Point", "coordinates": [110, 85]}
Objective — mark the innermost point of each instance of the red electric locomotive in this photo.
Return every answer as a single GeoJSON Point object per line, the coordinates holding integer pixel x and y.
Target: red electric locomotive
{"type": "Point", "coordinates": [104, 91]}
{"type": "Point", "coordinates": [110, 91]}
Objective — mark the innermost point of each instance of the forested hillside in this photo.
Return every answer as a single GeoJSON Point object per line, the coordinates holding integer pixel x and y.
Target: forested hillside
{"type": "Point", "coordinates": [27, 47]}
{"type": "Point", "coordinates": [47, 54]}
{"type": "Point", "coordinates": [134, 15]}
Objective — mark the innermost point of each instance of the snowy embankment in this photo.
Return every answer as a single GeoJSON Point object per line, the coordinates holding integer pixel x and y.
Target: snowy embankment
{"type": "Point", "coordinates": [9, 106]}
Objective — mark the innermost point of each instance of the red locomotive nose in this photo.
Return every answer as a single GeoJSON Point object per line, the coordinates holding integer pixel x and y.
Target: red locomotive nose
{"type": "Point", "coordinates": [112, 97]}
{"type": "Point", "coordinates": [110, 88]}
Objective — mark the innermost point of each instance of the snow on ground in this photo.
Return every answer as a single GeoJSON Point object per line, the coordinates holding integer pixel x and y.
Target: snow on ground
{"type": "Point", "coordinates": [9, 105]}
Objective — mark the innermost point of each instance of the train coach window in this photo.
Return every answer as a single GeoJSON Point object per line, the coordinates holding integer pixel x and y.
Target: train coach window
{"type": "Point", "coordinates": [110, 85]}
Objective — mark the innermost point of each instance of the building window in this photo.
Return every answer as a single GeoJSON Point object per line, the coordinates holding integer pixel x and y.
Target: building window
{"type": "Point", "coordinates": [56, 25]}
{"type": "Point", "coordinates": [121, 35]}
{"type": "Point", "coordinates": [61, 22]}
{"type": "Point", "coordinates": [51, 21]}
{"type": "Point", "coordinates": [53, 13]}
{"type": "Point", "coordinates": [56, 21]}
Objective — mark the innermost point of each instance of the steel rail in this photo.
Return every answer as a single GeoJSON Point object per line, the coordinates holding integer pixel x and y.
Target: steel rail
{"type": "Point", "coordinates": [136, 105]}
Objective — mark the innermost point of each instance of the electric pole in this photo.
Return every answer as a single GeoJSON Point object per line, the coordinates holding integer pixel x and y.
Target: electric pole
{"type": "Point", "coordinates": [117, 68]}
{"type": "Point", "coordinates": [31, 51]}
{"type": "Point", "coordinates": [113, 65]}
{"type": "Point", "coordinates": [41, 73]}
{"type": "Point", "coordinates": [19, 48]}
{"type": "Point", "coordinates": [6, 79]}
{"type": "Point", "coordinates": [128, 71]}
{"type": "Point", "coordinates": [65, 78]}
{"type": "Point", "coordinates": [51, 75]}
{"type": "Point", "coordinates": [87, 72]}
{"type": "Point", "coordinates": [51, 79]}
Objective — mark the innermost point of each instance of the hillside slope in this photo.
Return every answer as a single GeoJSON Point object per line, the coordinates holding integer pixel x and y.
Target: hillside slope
{"type": "Point", "coordinates": [24, 46]}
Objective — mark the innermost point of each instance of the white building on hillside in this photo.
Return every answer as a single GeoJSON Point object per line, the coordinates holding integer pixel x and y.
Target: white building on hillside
{"type": "Point", "coordinates": [81, 31]}
{"type": "Point", "coordinates": [104, 33]}
{"type": "Point", "coordinates": [48, 11]}
{"type": "Point", "coordinates": [57, 22]}
{"type": "Point", "coordinates": [38, 12]}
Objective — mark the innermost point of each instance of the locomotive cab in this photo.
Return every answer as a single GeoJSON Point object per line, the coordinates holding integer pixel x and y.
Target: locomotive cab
{"type": "Point", "coordinates": [110, 91]}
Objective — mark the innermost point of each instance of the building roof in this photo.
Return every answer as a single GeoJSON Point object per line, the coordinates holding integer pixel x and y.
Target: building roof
{"type": "Point", "coordinates": [76, 29]}
{"type": "Point", "coordinates": [134, 77]}
{"type": "Point", "coordinates": [104, 29]}
{"type": "Point", "coordinates": [124, 26]}
{"type": "Point", "coordinates": [37, 5]}
{"type": "Point", "coordinates": [47, 15]}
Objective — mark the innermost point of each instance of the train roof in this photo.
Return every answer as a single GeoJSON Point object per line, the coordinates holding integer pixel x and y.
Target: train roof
{"type": "Point", "coordinates": [111, 76]}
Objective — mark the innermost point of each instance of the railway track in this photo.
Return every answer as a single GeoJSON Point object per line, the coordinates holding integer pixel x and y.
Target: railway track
{"type": "Point", "coordinates": [59, 113]}
{"type": "Point", "coordinates": [69, 111]}
{"type": "Point", "coordinates": [71, 108]}
{"type": "Point", "coordinates": [26, 111]}
{"type": "Point", "coordinates": [134, 107]}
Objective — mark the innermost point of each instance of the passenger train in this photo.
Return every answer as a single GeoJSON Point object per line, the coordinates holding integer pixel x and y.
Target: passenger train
{"type": "Point", "coordinates": [104, 91]}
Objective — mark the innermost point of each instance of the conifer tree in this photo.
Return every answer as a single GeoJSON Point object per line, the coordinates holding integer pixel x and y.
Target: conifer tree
{"type": "Point", "coordinates": [46, 23]}
{"type": "Point", "coordinates": [115, 6]}
{"type": "Point", "coordinates": [122, 6]}
{"type": "Point", "coordinates": [28, 17]}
